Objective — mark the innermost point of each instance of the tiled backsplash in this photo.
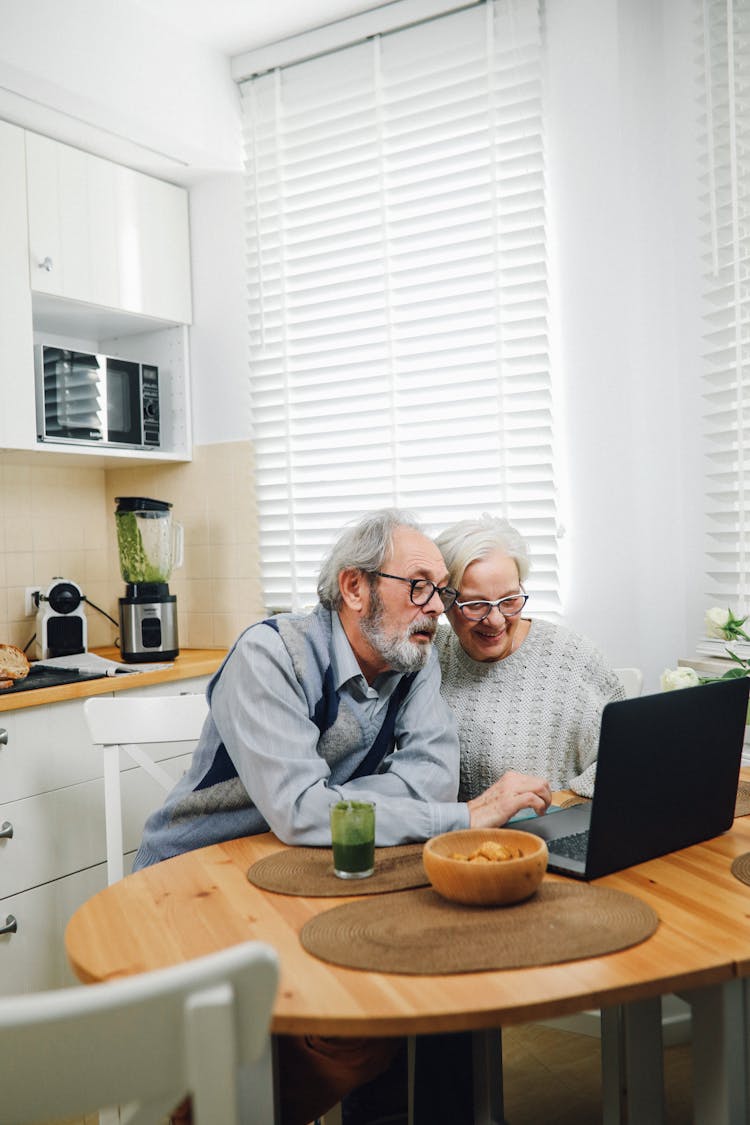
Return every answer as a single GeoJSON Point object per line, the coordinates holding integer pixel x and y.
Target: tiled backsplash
{"type": "Point", "coordinates": [59, 522]}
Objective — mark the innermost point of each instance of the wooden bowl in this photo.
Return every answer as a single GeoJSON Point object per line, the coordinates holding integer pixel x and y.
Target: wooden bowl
{"type": "Point", "coordinates": [494, 883]}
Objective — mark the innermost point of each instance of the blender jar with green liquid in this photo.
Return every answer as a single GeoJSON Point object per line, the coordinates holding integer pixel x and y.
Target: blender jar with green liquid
{"type": "Point", "coordinates": [150, 547]}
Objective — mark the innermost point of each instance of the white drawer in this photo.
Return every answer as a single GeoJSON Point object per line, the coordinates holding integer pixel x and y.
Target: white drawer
{"type": "Point", "coordinates": [55, 834]}
{"type": "Point", "coordinates": [33, 959]}
{"type": "Point", "coordinates": [48, 747]}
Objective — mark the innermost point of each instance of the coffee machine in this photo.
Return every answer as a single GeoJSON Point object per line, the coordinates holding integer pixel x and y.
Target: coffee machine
{"type": "Point", "coordinates": [61, 628]}
{"type": "Point", "coordinates": [150, 546]}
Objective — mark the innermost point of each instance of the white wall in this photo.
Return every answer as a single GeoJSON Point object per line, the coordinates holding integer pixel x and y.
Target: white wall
{"type": "Point", "coordinates": [219, 336]}
{"type": "Point", "coordinates": [625, 296]}
{"type": "Point", "coordinates": [107, 76]}
{"type": "Point", "coordinates": [622, 186]}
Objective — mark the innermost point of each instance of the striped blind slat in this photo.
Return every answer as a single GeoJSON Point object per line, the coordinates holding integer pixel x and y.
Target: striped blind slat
{"type": "Point", "coordinates": [724, 195]}
{"type": "Point", "coordinates": [397, 284]}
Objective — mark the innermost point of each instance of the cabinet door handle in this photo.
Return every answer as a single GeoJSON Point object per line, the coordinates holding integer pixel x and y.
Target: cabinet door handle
{"type": "Point", "coordinates": [46, 264]}
{"type": "Point", "coordinates": [11, 925]}
{"type": "Point", "coordinates": [3, 736]}
{"type": "Point", "coordinates": [6, 830]}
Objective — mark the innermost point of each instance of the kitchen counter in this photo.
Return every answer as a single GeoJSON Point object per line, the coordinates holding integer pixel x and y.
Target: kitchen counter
{"type": "Point", "coordinates": [189, 664]}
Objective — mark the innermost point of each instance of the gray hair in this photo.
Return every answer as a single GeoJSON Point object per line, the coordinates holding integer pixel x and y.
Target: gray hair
{"type": "Point", "coordinates": [464, 542]}
{"type": "Point", "coordinates": [361, 546]}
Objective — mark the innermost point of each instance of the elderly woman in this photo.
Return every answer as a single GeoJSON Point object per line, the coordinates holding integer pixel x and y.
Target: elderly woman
{"type": "Point", "coordinates": [528, 695]}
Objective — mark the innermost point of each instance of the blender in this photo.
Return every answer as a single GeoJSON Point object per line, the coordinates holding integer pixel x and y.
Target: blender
{"type": "Point", "coordinates": [150, 546]}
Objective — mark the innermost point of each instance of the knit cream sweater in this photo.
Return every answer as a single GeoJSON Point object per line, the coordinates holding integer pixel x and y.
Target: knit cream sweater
{"type": "Point", "coordinates": [537, 711]}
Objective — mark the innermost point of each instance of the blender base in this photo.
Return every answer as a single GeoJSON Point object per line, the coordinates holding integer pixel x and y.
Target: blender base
{"type": "Point", "coordinates": [148, 624]}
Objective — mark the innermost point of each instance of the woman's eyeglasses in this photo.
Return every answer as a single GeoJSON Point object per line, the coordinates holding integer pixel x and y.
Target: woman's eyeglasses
{"type": "Point", "coordinates": [509, 606]}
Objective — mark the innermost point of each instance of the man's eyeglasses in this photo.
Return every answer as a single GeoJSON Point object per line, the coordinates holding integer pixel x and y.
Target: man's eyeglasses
{"type": "Point", "coordinates": [421, 590]}
{"type": "Point", "coordinates": [510, 606]}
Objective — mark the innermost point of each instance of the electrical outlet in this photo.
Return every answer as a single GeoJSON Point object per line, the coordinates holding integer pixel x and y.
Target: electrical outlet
{"type": "Point", "coordinates": [31, 600]}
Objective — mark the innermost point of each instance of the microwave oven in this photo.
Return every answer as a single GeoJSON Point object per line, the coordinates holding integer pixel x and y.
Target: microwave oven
{"type": "Point", "coordinates": [89, 399]}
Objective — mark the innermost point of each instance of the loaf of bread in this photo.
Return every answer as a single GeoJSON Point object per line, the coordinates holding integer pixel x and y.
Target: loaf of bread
{"type": "Point", "coordinates": [13, 665]}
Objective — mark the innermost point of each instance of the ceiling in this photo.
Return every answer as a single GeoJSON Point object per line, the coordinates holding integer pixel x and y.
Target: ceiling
{"type": "Point", "coordinates": [236, 26]}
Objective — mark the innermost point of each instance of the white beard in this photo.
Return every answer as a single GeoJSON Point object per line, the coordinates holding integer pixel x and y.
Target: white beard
{"type": "Point", "coordinates": [395, 648]}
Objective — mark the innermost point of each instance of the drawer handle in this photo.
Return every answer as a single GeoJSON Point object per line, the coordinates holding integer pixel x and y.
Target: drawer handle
{"type": "Point", "coordinates": [3, 736]}
{"type": "Point", "coordinates": [6, 830]}
{"type": "Point", "coordinates": [46, 264]}
{"type": "Point", "coordinates": [10, 927]}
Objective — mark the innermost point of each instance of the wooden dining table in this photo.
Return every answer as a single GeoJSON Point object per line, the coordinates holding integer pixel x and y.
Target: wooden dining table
{"type": "Point", "coordinates": [203, 901]}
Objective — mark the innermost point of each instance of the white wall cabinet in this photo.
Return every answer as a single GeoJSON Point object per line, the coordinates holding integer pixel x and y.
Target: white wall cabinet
{"type": "Point", "coordinates": [106, 235]}
{"type": "Point", "coordinates": [17, 416]}
{"type": "Point", "coordinates": [53, 804]}
{"type": "Point", "coordinates": [93, 257]}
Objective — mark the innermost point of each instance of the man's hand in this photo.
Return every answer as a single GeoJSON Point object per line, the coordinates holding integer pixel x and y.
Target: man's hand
{"type": "Point", "coordinates": [506, 797]}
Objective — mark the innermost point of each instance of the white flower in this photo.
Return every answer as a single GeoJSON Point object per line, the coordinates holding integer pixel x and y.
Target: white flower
{"type": "Point", "coordinates": [673, 678]}
{"type": "Point", "coordinates": [716, 622]}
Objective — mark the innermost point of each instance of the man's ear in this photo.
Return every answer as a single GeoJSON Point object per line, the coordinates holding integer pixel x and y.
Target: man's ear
{"type": "Point", "coordinates": [355, 589]}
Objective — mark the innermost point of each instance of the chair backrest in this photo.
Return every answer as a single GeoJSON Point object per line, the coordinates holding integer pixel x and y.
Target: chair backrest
{"type": "Point", "coordinates": [632, 681]}
{"type": "Point", "coordinates": [125, 718]}
{"type": "Point", "coordinates": [125, 722]}
{"type": "Point", "coordinates": [150, 1039]}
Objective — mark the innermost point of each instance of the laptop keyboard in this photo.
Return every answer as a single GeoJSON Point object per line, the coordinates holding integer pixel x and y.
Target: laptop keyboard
{"type": "Point", "coordinates": [573, 847]}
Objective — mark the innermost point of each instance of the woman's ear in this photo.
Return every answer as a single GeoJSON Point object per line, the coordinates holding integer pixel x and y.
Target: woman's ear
{"type": "Point", "coordinates": [355, 589]}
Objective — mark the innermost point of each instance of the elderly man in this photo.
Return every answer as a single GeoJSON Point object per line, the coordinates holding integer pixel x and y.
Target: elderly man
{"type": "Point", "coordinates": [343, 702]}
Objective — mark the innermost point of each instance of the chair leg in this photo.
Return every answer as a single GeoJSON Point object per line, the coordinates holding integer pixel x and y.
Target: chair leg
{"type": "Point", "coordinates": [258, 1094]}
{"type": "Point", "coordinates": [113, 813]}
{"type": "Point", "coordinates": [211, 1054]}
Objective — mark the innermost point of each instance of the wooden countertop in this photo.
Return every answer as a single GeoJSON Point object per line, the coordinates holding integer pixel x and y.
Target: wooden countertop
{"type": "Point", "coordinates": [190, 663]}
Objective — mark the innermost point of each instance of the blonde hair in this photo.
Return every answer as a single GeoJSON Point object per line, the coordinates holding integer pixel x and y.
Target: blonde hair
{"type": "Point", "coordinates": [464, 542]}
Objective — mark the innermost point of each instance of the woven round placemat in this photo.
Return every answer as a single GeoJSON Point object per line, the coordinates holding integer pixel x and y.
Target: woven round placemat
{"type": "Point", "coordinates": [741, 868]}
{"type": "Point", "coordinates": [309, 871]}
{"type": "Point", "coordinates": [420, 932]}
{"type": "Point", "coordinates": [742, 806]}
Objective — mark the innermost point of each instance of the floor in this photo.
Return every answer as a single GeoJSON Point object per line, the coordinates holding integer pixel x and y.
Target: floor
{"type": "Point", "coordinates": [553, 1077]}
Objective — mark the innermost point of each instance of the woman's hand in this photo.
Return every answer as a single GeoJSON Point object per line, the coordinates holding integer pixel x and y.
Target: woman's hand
{"type": "Point", "coordinates": [506, 797]}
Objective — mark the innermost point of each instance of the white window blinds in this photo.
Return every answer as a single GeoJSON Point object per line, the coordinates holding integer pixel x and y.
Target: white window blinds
{"type": "Point", "coordinates": [725, 200]}
{"type": "Point", "coordinates": [398, 290]}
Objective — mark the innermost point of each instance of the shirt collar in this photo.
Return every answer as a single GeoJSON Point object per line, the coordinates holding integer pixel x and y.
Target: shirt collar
{"type": "Point", "coordinates": [343, 661]}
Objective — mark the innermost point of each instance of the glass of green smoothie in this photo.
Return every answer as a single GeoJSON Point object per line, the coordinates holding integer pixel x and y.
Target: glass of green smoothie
{"type": "Point", "coordinates": [353, 839]}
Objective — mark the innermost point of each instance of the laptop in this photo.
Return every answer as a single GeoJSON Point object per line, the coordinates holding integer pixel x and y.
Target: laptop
{"type": "Point", "coordinates": [666, 777]}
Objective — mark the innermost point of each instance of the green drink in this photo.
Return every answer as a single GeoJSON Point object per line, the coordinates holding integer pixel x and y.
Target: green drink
{"type": "Point", "coordinates": [353, 839]}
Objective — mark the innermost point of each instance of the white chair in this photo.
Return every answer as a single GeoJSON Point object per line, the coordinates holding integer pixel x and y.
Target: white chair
{"type": "Point", "coordinates": [145, 1042]}
{"type": "Point", "coordinates": [127, 722]}
{"type": "Point", "coordinates": [632, 681]}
